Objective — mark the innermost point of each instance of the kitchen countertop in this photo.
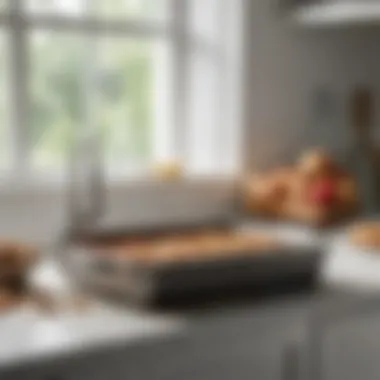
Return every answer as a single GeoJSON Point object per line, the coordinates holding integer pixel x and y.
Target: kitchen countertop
{"type": "Point", "coordinates": [108, 343]}
{"type": "Point", "coordinates": [31, 335]}
{"type": "Point", "coordinates": [30, 338]}
{"type": "Point", "coordinates": [240, 340]}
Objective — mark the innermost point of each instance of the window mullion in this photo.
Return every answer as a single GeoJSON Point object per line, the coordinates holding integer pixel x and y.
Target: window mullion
{"type": "Point", "coordinates": [233, 82]}
{"type": "Point", "coordinates": [19, 84]}
{"type": "Point", "coordinates": [90, 74]}
{"type": "Point", "coordinates": [221, 135]}
{"type": "Point", "coordinates": [180, 71]}
{"type": "Point", "coordinates": [86, 188]}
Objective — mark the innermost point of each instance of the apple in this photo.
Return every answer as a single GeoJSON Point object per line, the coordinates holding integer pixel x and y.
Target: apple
{"type": "Point", "coordinates": [324, 192]}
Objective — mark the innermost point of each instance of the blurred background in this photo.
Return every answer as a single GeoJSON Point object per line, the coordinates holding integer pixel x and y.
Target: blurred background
{"type": "Point", "coordinates": [189, 188]}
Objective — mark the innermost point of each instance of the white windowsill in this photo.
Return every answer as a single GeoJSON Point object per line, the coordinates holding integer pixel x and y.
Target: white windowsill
{"type": "Point", "coordinates": [55, 183]}
{"type": "Point", "coordinates": [36, 211]}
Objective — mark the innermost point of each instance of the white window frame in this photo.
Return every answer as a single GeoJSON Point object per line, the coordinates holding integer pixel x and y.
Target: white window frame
{"type": "Point", "coordinates": [209, 196]}
{"type": "Point", "coordinates": [175, 30]}
{"type": "Point", "coordinates": [17, 26]}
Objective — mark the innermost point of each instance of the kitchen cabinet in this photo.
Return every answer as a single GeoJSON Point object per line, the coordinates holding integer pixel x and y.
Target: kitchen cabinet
{"type": "Point", "coordinates": [332, 13]}
{"type": "Point", "coordinates": [215, 364]}
{"type": "Point", "coordinates": [236, 342]}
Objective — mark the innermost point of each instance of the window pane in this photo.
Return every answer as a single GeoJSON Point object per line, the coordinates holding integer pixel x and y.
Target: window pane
{"type": "Point", "coordinates": [55, 95]}
{"type": "Point", "coordinates": [127, 93]}
{"type": "Point", "coordinates": [3, 4]}
{"type": "Point", "coordinates": [204, 132]}
{"type": "Point", "coordinates": [65, 7]}
{"type": "Point", "coordinates": [4, 103]}
{"type": "Point", "coordinates": [144, 9]}
{"type": "Point", "coordinates": [205, 19]}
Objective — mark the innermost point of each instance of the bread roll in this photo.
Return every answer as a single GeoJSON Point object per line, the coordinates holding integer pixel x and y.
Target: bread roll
{"type": "Point", "coordinates": [366, 235]}
{"type": "Point", "coordinates": [347, 190]}
{"type": "Point", "coordinates": [15, 257]}
{"type": "Point", "coordinates": [266, 193]}
{"type": "Point", "coordinates": [316, 164]}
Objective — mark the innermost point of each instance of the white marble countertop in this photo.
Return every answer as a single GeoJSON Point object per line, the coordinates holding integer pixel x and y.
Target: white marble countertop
{"type": "Point", "coordinates": [351, 267]}
{"type": "Point", "coordinates": [28, 335]}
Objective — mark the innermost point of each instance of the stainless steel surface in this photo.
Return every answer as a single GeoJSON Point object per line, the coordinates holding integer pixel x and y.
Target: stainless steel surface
{"type": "Point", "coordinates": [86, 205]}
{"type": "Point", "coordinates": [87, 184]}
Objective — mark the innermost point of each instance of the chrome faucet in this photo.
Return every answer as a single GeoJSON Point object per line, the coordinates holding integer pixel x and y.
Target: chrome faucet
{"type": "Point", "coordinates": [87, 187]}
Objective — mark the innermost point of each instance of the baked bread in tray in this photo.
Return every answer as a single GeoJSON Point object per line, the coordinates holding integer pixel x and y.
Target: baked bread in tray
{"type": "Point", "coordinates": [186, 248]}
{"type": "Point", "coordinates": [158, 266]}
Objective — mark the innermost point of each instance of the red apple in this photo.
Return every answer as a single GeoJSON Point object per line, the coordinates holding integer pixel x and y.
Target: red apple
{"type": "Point", "coordinates": [323, 192]}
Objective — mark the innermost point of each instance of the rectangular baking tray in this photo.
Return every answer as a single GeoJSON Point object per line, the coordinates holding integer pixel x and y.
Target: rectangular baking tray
{"type": "Point", "coordinates": [165, 283]}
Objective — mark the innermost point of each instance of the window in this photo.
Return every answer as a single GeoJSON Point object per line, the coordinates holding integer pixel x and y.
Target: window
{"type": "Point", "coordinates": [152, 76]}
{"type": "Point", "coordinates": [55, 95]}
{"type": "Point", "coordinates": [4, 101]}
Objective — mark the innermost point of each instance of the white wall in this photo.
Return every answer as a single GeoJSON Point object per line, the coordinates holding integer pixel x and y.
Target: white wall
{"type": "Point", "coordinates": [285, 63]}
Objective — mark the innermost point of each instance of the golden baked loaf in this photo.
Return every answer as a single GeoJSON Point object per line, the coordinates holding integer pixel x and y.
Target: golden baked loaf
{"type": "Point", "coordinates": [366, 235]}
{"type": "Point", "coordinates": [265, 194]}
{"type": "Point", "coordinates": [191, 247]}
{"type": "Point", "coordinates": [316, 163]}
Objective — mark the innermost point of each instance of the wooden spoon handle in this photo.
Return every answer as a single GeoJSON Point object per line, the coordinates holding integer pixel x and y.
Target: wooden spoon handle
{"type": "Point", "coordinates": [362, 115]}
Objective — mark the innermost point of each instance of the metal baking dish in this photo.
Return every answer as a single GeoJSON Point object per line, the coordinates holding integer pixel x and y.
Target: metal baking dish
{"type": "Point", "coordinates": [160, 283]}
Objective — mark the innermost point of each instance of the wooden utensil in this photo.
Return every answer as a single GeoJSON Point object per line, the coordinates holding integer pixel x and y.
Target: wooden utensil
{"type": "Point", "coordinates": [364, 151]}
